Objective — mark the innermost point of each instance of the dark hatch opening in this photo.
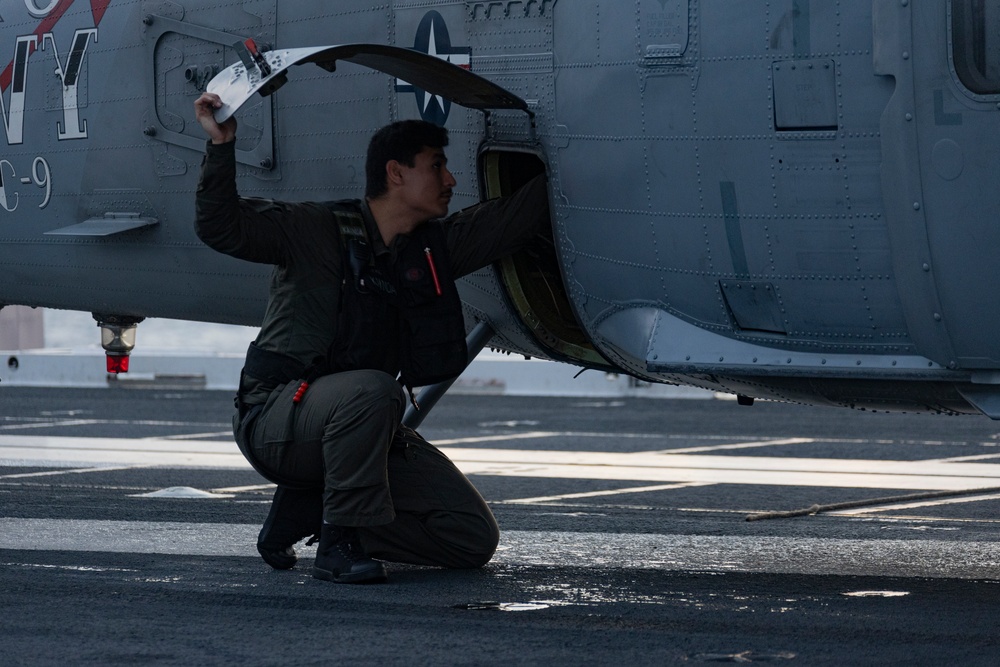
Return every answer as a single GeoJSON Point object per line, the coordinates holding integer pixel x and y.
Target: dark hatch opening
{"type": "Point", "coordinates": [531, 278]}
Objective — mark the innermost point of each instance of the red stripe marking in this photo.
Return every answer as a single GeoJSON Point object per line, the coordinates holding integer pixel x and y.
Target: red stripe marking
{"type": "Point", "coordinates": [98, 7]}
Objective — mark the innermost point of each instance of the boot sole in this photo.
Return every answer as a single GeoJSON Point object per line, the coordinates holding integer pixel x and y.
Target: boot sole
{"type": "Point", "coordinates": [375, 575]}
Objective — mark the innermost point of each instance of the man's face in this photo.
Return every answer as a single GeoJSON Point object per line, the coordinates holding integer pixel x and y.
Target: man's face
{"type": "Point", "coordinates": [426, 186]}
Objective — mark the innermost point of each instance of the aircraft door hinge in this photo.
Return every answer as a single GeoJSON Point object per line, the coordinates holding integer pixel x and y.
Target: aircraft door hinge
{"type": "Point", "coordinates": [489, 126]}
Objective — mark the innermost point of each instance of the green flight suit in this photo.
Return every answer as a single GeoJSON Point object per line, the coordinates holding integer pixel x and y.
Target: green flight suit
{"type": "Point", "coordinates": [410, 503]}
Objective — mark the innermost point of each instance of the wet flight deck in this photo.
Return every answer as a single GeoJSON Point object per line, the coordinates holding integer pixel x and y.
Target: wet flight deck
{"type": "Point", "coordinates": [647, 530]}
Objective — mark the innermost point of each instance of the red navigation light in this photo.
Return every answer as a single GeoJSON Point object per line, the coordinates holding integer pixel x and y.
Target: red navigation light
{"type": "Point", "coordinates": [118, 363]}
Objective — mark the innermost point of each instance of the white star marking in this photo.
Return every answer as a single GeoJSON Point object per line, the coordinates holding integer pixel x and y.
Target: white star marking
{"type": "Point", "coordinates": [460, 59]}
{"type": "Point", "coordinates": [432, 51]}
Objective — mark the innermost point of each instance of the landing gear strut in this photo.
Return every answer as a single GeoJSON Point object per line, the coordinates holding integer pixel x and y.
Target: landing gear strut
{"type": "Point", "coordinates": [429, 396]}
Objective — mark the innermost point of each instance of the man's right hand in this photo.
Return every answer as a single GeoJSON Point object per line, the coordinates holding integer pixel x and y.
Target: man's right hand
{"type": "Point", "coordinates": [204, 112]}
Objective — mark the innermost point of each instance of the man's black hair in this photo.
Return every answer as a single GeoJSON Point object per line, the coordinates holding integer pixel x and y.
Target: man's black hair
{"type": "Point", "coordinates": [400, 141]}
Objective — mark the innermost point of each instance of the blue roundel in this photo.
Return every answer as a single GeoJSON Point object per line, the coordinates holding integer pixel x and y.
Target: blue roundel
{"type": "Point", "coordinates": [432, 38]}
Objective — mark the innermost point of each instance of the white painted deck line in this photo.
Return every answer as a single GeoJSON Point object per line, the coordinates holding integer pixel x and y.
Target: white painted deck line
{"type": "Point", "coordinates": [638, 466]}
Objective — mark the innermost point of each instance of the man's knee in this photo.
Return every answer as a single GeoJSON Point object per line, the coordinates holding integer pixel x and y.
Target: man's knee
{"type": "Point", "coordinates": [481, 544]}
{"type": "Point", "coordinates": [353, 396]}
{"type": "Point", "coordinates": [485, 555]}
{"type": "Point", "coordinates": [368, 387]}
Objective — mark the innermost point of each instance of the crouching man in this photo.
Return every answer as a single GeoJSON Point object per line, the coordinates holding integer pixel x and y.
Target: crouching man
{"type": "Point", "coordinates": [362, 307]}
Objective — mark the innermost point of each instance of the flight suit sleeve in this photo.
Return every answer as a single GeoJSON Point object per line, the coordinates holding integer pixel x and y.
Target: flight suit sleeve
{"type": "Point", "coordinates": [482, 234]}
{"type": "Point", "coordinates": [257, 230]}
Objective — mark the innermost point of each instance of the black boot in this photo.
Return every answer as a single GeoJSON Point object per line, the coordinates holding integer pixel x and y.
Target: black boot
{"type": "Point", "coordinates": [340, 558]}
{"type": "Point", "coordinates": [295, 515]}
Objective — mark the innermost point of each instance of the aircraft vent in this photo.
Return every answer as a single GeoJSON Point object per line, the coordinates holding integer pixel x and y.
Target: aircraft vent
{"type": "Point", "coordinates": [805, 95]}
{"type": "Point", "coordinates": [754, 305]}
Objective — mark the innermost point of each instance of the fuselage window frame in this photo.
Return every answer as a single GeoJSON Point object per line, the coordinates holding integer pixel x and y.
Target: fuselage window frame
{"type": "Point", "coordinates": [975, 64]}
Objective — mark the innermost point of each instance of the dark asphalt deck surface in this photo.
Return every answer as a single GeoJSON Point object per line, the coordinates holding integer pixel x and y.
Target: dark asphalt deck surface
{"type": "Point", "coordinates": [622, 570]}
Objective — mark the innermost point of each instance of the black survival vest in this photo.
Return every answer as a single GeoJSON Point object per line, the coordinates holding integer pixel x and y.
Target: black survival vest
{"type": "Point", "coordinates": [402, 317]}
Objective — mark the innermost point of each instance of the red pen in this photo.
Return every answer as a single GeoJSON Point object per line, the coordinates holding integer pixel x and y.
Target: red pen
{"type": "Point", "coordinates": [434, 273]}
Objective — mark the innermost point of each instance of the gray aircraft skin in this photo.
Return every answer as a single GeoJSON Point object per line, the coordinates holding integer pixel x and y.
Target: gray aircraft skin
{"type": "Point", "coordinates": [792, 199]}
